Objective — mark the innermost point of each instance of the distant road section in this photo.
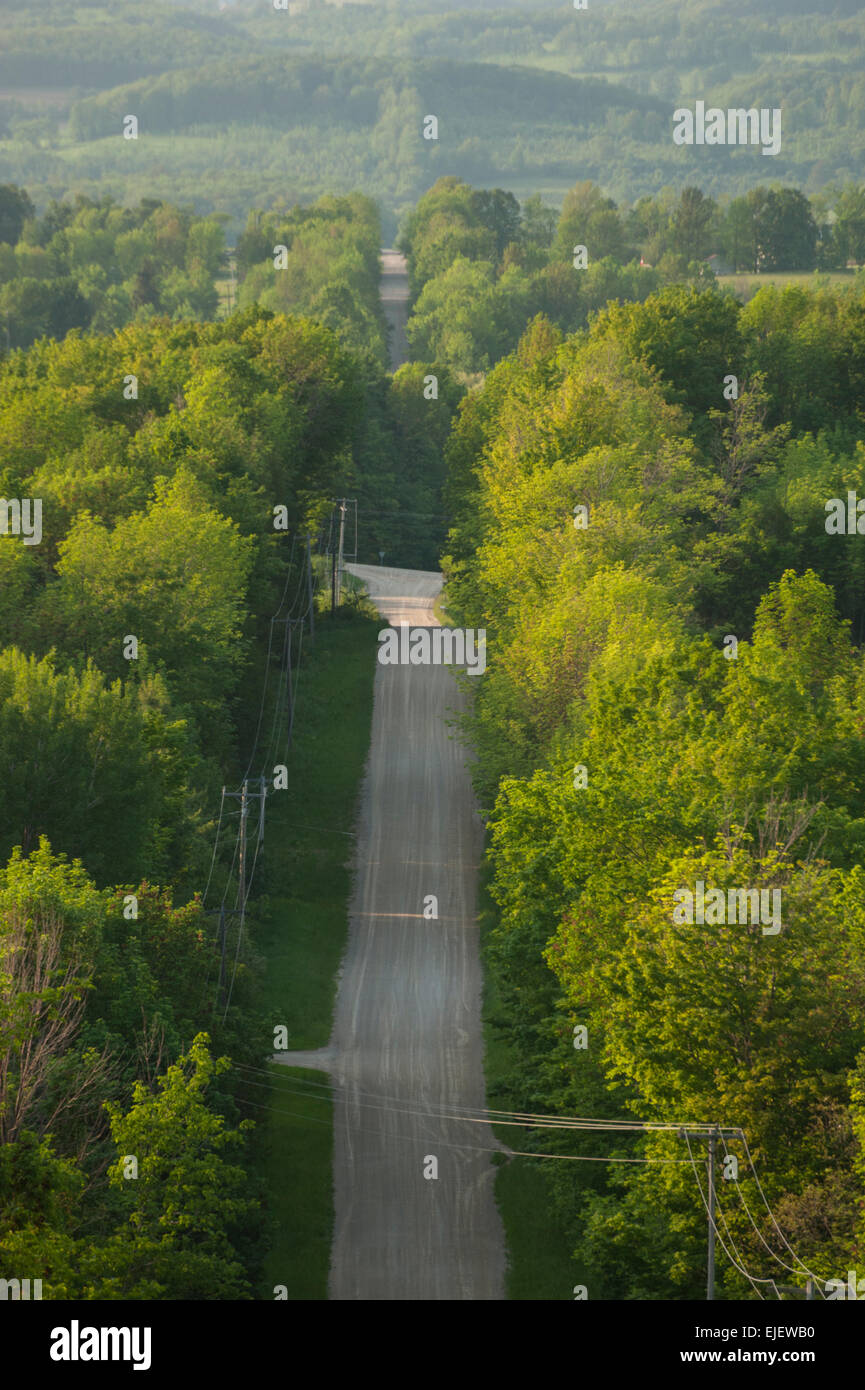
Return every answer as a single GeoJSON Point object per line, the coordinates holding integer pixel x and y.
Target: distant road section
{"type": "Point", "coordinates": [407, 1036]}
{"type": "Point", "coordinates": [393, 291]}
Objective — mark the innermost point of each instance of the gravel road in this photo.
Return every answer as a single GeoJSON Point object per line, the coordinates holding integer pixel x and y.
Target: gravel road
{"type": "Point", "coordinates": [407, 1032]}
{"type": "Point", "coordinates": [393, 292]}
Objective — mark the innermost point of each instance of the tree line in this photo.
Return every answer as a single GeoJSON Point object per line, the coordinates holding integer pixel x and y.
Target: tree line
{"type": "Point", "coordinates": [157, 453]}
{"type": "Point", "coordinates": [701, 438]}
{"type": "Point", "coordinates": [89, 264]}
{"type": "Point", "coordinates": [482, 265]}
{"type": "Point", "coordinates": [674, 696]}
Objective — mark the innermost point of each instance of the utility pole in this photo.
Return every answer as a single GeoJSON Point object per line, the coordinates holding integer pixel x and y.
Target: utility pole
{"type": "Point", "coordinates": [713, 1134]}
{"type": "Point", "coordinates": [240, 912]}
{"type": "Point", "coordinates": [309, 588]}
{"type": "Point", "coordinates": [333, 581]}
{"type": "Point", "coordinates": [244, 812]}
{"type": "Point", "coordinates": [341, 544]}
{"type": "Point", "coordinates": [262, 793]}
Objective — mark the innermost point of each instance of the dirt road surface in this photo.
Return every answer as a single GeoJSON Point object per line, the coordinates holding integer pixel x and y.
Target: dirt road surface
{"type": "Point", "coordinates": [393, 292]}
{"type": "Point", "coordinates": [407, 1031]}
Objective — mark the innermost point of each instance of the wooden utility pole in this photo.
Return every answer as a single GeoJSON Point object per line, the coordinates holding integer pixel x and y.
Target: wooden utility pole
{"type": "Point", "coordinates": [712, 1135]}
{"type": "Point", "coordinates": [341, 545]}
{"type": "Point", "coordinates": [262, 793]}
{"type": "Point", "coordinates": [244, 812]}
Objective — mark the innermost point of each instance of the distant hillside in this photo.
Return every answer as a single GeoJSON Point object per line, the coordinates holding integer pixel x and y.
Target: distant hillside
{"type": "Point", "coordinates": [465, 96]}
{"type": "Point", "coordinates": [56, 44]}
{"type": "Point", "coordinates": [246, 105]}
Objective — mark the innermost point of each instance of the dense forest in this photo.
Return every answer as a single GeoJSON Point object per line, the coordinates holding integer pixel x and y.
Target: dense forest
{"type": "Point", "coordinates": [674, 694]}
{"type": "Point", "coordinates": [626, 470]}
{"type": "Point", "coordinates": [157, 525]}
{"type": "Point", "coordinates": [85, 264]}
{"type": "Point", "coordinates": [157, 454]}
{"type": "Point", "coordinates": [481, 266]}
{"type": "Point", "coordinates": [100, 267]}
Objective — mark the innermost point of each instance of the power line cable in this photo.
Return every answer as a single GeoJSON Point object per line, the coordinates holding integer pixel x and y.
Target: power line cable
{"type": "Point", "coordinates": [273, 741]}
{"type": "Point", "coordinates": [231, 867]}
{"type": "Point", "coordinates": [714, 1225]}
{"type": "Point", "coordinates": [447, 1144]}
{"type": "Point", "coordinates": [720, 1210]}
{"type": "Point", "coordinates": [803, 1269]}
{"type": "Point", "coordinates": [471, 1114]}
{"type": "Point", "coordinates": [273, 620]}
{"type": "Point", "coordinates": [215, 847]}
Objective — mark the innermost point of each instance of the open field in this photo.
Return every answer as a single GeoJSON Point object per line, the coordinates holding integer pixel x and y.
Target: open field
{"type": "Point", "coordinates": [746, 284]}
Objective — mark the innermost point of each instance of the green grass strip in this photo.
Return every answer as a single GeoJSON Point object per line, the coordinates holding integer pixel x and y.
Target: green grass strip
{"type": "Point", "coordinates": [308, 846]}
{"type": "Point", "coordinates": [299, 1159]}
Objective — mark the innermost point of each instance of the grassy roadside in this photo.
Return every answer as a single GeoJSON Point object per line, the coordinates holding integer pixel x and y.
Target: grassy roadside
{"type": "Point", "coordinates": [302, 937]}
{"type": "Point", "coordinates": [540, 1266]}
{"type": "Point", "coordinates": [299, 1173]}
{"type": "Point", "coordinates": [441, 613]}
{"type": "Point", "coordinates": [440, 608]}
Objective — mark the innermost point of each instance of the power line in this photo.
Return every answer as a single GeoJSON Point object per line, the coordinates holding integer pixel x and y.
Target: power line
{"type": "Point", "coordinates": [720, 1210]}
{"type": "Point", "coordinates": [215, 847]}
{"type": "Point", "coordinates": [444, 1143]}
{"type": "Point", "coordinates": [263, 697]}
{"type": "Point", "coordinates": [477, 1114]}
{"type": "Point", "coordinates": [231, 867]}
{"type": "Point", "coordinates": [487, 1116]}
{"type": "Point", "coordinates": [284, 710]}
{"type": "Point", "coordinates": [713, 1225]}
{"type": "Point", "coordinates": [296, 684]}
{"type": "Point", "coordinates": [273, 620]}
{"type": "Point", "coordinates": [280, 695]}
{"type": "Point", "coordinates": [803, 1268]}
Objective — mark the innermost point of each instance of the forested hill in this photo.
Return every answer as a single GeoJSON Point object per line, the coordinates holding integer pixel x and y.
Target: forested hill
{"type": "Point", "coordinates": [350, 92]}
{"type": "Point", "coordinates": [298, 123]}
{"type": "Point", "coordinates": [247, 104]}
